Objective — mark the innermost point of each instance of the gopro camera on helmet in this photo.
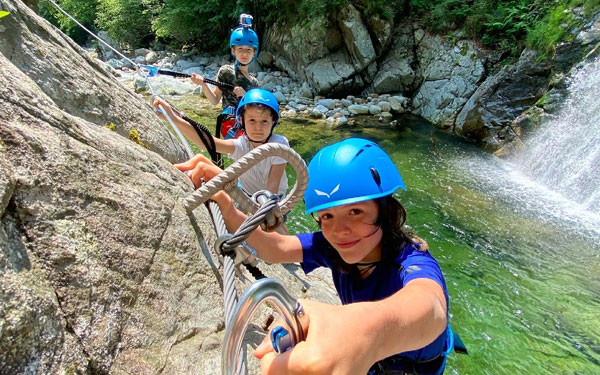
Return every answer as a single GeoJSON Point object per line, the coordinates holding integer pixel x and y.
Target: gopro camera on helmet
{"type": "Point", "coordinates": [246, 20]}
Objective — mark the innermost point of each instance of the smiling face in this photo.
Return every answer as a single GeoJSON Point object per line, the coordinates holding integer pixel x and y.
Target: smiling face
{"type": "Point", "coordinates": [352, 231]}
{"type": "Point", "coordinates": [258, 122]}
{"type": "Point", "coordinates": [243, 54]}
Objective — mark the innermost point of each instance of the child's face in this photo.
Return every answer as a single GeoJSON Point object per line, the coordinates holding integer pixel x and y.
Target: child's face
{"type": "Point", "coordinates": [258, 122]}
{"type": "Point", "coordinates": [351, 230]}
{"type": "Point", "coordinates": [243, 54]}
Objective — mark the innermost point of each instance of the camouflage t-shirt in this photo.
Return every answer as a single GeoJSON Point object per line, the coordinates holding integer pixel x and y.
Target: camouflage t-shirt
{"type": "Point", "coordinates": [228, 74]}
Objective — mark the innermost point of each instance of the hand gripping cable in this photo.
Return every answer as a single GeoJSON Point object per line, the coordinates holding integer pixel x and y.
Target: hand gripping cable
{"type": "Point", "coordinates": [225, 180]}
{"type": "Point", "coordinates": [151, 71]}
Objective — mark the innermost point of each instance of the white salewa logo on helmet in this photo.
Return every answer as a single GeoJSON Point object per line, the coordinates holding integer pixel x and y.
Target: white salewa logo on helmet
{"type": "Point", "coordinates": [260, 97]}
{"type": "Point", "coordinates": [330, 194]}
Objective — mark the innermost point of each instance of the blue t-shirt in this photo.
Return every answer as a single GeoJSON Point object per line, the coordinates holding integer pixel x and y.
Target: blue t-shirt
{"type": "Point", "coordinates": [385, 280]}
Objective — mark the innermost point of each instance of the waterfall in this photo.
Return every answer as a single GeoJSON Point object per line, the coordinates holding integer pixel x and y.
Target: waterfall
{"type": "Point", "coordinates": [564, 155]}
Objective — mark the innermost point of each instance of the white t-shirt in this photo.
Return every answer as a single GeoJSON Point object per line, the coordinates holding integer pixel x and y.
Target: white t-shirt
{"type": "Point", "coordinates": [256, 178]}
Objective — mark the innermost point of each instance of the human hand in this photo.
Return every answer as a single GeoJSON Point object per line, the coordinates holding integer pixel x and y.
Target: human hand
{"type": "Point", "coordinates": [159, 102]}
{"type": "Point", "coordinates": [239, 91]}
{"type": "Point", "coordinates": [156, 103]}
{"type": "Point", "coordinates": [335, 344]}
{"type": "Point", "coordinates": [201, 169]}
{"type": "Point", "coordinates": [197, 79]}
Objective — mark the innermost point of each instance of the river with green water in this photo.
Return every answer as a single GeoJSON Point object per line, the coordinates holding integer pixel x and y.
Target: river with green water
{"type": "Point", "coordinates": [522, 265]}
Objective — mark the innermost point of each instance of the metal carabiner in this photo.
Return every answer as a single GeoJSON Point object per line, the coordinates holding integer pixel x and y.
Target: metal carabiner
{"type": "Point", "coordinates": [280, 337]}
{"type": "Point", "coordinates": [262, 290]}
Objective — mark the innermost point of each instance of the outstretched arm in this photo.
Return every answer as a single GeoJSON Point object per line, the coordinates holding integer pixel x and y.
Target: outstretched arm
{"type": "Point", "coordinates": [223, 146]}
{"type": "Point", "coordinates": [270, 246]}
{"type": "Point", "coordinates": [214, 97]}
{"type": "Point", "coordinates": [349, 339]}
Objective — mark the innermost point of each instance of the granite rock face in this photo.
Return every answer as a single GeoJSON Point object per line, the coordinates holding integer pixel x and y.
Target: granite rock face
{"type": "Point", "coordinates": [77, 83]}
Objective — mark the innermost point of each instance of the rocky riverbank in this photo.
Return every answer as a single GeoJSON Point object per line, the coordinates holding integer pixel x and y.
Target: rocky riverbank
{"type": "Point", "coordinates": [362, 66]}
{"type": "Point", "coordinates": [295, 98]}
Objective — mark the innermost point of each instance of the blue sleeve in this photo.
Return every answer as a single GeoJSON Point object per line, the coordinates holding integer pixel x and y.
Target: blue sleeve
{"type": "Point", "coordinates": [314, 248]}
{"type": "Point", "coordinates": [422, 265]}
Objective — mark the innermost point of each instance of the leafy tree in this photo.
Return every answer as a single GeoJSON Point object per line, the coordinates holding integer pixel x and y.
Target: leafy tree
{"type": "Point", "coordinates": [127, 21]}
{"type": "Point", "coordinates": [190, 22]}
{"type": "Point", "coordinates": [506, 25]}
{"type": "Point", "coordinates": [84, 11]}
{"type": "Point", "coordinates": [502, 25]}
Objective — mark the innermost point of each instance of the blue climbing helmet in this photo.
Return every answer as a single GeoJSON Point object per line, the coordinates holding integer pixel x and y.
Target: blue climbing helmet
{"type": "Point", "coordinates": [350, 171]}
{"type": "Point", "coordinates": [243, 35]}
{"type": "Point", "coordinates": [258, 96]}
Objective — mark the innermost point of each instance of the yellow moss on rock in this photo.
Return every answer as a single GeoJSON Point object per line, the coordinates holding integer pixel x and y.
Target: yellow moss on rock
{"type": "Point", "coordinates": [134, 135]}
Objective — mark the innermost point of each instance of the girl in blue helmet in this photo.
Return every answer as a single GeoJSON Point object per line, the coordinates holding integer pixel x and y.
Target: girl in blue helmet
{"type": "Point", "coordinates": [257, 115]}
{"type": "Point", "coordinates": [394, 313]}
{"type": "Point", "coordinates": [243, 43]}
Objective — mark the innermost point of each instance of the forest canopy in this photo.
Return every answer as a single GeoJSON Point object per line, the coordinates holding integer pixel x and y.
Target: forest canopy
{"type": "Point", "coordinates": [504, 25]}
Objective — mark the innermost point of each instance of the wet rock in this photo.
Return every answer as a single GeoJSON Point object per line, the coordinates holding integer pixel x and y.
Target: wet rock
{"type": "Point", "coordinates": [503, 97]}
{"type": "Point", "coordinates": [358, 109]}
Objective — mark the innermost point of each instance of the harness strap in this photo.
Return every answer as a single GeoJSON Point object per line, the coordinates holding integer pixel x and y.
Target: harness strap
{"type": "Point", "coordinates": [399, 365]}
{"type": "Point", "coordinates": [405, 366]}
{"type": "Point", "coordinates": [205, 137]}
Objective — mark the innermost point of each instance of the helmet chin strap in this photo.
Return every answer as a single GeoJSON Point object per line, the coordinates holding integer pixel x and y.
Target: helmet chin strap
{"type": "Point", "coordinates": [237, 63]}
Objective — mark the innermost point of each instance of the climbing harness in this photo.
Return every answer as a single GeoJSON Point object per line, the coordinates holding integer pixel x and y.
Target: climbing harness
{"type": "Point", "coordinates": [227, 127]}
{"type": "Point", "coordinates": [400, 365]}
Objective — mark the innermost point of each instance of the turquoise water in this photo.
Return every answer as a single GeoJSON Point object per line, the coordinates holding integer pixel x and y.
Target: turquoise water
{"type": "Point", "coordinates": [522, 263]}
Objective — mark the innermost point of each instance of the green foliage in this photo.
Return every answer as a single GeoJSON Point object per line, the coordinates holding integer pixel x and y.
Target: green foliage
{"type": "Point", "coordinates": [292, 12]}
{"type": "Point", "coordinates": [559, 23]}
{"type": "Point", "coordinates": [498, 24]}
{"type": "Point", "coordinates": [203, 23]}
{"type": "Point", "coordinates": [383, 8]}
{"type": "Point", "coordinates": [506, 25]}
{"type": "Point", "coordinates": [185, 23]}
{"type": "Point", "coordinates": [84, 11]}
{"type": "Point", "coordinates": [127, 21]}
{"type": "Point", "coordinates": [3, 13]}
{"type": "Point", "coordinates": [544, 36]}
{"type": "Point", "coordinates": [312, 8]}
